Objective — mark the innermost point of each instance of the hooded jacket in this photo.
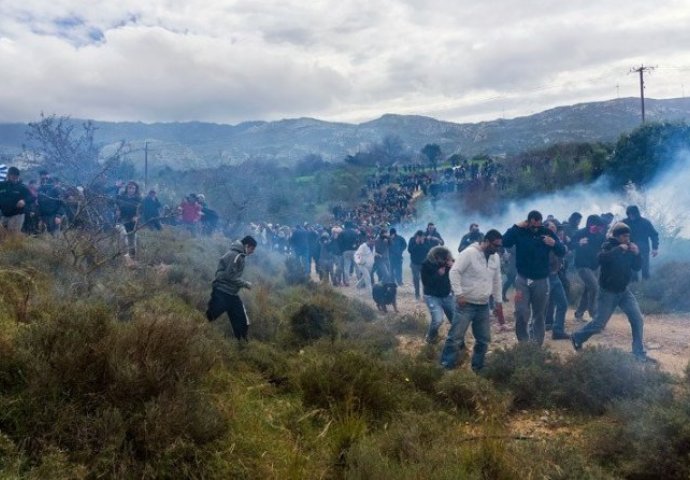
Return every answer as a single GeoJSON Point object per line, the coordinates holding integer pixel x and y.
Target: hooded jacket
{"type": "Point", "coordinates": [364, 256]}
{"type": "Point", "coordinates": [641, 230]}
{"type": "Point", "coordinates": [435, 284]}
{"type": "Point", "coordinates": [617, 266]}
{"type": "Point", "coordinates": [418, 251]}
{"type": "Point", "coordinates": [230, 268]}
{"type": "Point", "coordinates": [587, 255]}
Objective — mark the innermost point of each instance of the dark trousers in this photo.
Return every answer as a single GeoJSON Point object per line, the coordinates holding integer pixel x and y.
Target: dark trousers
{"type": "Point", "coordinates": [221, 303]}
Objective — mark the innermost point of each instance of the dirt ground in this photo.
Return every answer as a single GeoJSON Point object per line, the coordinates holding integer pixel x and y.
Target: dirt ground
{"type": "Point", "coordinates": [667, 337]}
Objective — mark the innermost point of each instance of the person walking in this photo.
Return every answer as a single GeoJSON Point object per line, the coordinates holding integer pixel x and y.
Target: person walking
{"type": "Point", "coordinates": [642, 232]}
{"type": "Point", "coordinates": [587, 244]}
{"type": "Point", "coordinates": [438, 295]}
{"type": "Point", "coordinates": [418, 248]}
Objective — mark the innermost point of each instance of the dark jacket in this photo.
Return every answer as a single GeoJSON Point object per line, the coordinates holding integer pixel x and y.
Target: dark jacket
{"type": "Point", "coordinates": [299, 241]}
{"type": "Point", "coordinates": [418, 252]}
{"type": "Point", "coordinates": [531, 253]}
{"type": "Point", "coordinates": [348, 240]}
{"type": "Point", "coordinates": [434, 237]}
{"type": "Point", "coordinates": [617, 266]}
{"type": "Point", "coordinates": [49, 200]}
{"type": "Point", "coordinates": [436, 285]}
{"type": "Point", "coordinates": [150, 208]}
{"type": "Point", "coordinates": [10, 194]}
{"type": "Point", "coordinates": [230, 268]}
{"type": "Point", "coordinates": [397, 247]}
{"type": "Point", "coordinates": [128, 207]}
{"type": "Point", "coordinates": [587, 256]}
{"type": "Point", "coordinates": [470, 238]}
{"type": "Point", "coordinates": [641, 231]}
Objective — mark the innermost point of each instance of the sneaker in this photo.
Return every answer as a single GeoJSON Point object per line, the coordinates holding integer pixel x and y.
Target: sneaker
{"type": "Point", "coordinates": [576, 345]}
{"type": "Point", "coordinates": [646, 359]}
{"type": "Point", "coordinates": [560, 336]}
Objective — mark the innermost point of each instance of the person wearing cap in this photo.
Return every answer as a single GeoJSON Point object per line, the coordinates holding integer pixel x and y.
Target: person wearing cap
{"type": "Point", "coordinates": [225, 294]}
{"type": "Point", "coordinates": [14, 196]}
{"type": "Point", "coordinates": [618, 259]}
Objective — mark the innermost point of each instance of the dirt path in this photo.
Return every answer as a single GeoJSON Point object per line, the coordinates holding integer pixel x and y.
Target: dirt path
{"type": "Point", "coordinates": [667, 337]}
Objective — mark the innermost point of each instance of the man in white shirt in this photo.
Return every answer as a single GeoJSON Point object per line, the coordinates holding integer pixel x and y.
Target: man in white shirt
{"type": "Point", "coordinates": [364, 259]}
{"type": "Point", "coordinates": [475, 276]}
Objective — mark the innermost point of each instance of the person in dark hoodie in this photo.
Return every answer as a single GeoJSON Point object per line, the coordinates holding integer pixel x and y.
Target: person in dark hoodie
{"type": "Point", "coordinates": [437, 291]}
{"type": "Point", "coordinates": [587, 244]}
{"type": "Point", "coordinates": [641, 233]}
{"type": "Point", "coordinates": [619, 258]}
{"type": "Point", "coordinates": [474, 235]}
{"type": "Point", "coordinates": [418, 247]}
{"type": "Point", "coordinates": [225, 296]}
{"type": "Point", "coordinates": [398, 245]}
{"type": "Point", "coordinates": [533, 243]}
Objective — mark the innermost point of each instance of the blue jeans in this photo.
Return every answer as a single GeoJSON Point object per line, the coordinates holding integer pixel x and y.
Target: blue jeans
{"type": "Point", "coordinates": [606, 305]}
{"type": "Point", "coordinates": [478, 316]}
{"type": "Point", "coordinates": [437, 307]}
{"type": "Point", "coordinates": [396, 269]}
{"type": "Point", "coordinates": [416, 277]}
{"type": "Point", "coordinates": [558, 304]}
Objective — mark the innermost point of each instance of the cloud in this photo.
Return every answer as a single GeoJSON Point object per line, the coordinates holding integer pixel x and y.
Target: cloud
{"type": "Point", "coordinates": [233, 61]}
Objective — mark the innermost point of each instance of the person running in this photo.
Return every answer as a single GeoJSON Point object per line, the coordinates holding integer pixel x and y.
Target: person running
{"type": "Point", "coordinates": [475, 277]}
{"type": "Point", "coordinates": [533, 243]}
{"type": "Point", "coordinates": [437, 290]}
{"type": "Point", "coordinates": [587, 244]}
{"type": "Point", "coordinates": [226, 287]}
{"type": "Point", "coordinates": [641, 233]}
{"type": "Point", "coordinates": [619, 258]}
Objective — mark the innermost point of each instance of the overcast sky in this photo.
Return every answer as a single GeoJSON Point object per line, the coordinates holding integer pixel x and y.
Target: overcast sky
{"type": "Point", "coordinates": [347, 60]}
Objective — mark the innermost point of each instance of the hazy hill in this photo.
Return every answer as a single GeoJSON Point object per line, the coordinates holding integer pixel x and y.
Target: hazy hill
{"type": "Point", "coordinates": [197, 144]}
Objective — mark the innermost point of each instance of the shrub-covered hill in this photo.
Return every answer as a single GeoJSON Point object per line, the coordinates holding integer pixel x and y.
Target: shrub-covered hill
{"type": "Point", "coordinates": [115, 373]}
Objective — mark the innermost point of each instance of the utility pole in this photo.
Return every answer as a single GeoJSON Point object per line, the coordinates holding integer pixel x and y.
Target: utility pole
{"type": "Point", "coordinates": [146, 164]}
{"type": "Point", "coordinates": [641, 69]}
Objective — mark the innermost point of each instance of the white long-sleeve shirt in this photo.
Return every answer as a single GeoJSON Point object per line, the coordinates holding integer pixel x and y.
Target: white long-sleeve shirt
{"type": "Point", "coordinates": [365, 256]}
{"type": "Point", "coordinates": [476, 278]}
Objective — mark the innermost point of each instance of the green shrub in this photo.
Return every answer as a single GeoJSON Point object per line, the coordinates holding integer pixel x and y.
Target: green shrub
{"type": "Point", "coordinates": [349, 382]}
{"type": "Point", "coordinates": [668, 292]}
{"type": "Point", "coordinates": [312, 322]}
{"type": "Point", "coordinates": [470, 394]}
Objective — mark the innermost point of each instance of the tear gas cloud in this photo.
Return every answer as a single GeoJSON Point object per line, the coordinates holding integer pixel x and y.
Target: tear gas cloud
{"type": "Point", "coordinates": [664, 201]}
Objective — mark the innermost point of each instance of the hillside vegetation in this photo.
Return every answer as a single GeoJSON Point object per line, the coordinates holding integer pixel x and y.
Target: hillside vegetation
{"type": "Point", "coordinates": [115, 373]}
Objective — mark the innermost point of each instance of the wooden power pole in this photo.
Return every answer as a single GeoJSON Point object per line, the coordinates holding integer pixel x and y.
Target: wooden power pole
{"type": "Point", "coordinates": [641, 69]}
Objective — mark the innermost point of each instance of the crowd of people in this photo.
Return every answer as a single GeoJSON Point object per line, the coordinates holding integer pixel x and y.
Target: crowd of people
{"type": "Point", "coordinates": [361, 246]}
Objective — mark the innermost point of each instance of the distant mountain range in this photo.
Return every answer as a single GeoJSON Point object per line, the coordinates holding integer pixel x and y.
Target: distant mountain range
{"type": "Point", "coordinates": [197, 144]}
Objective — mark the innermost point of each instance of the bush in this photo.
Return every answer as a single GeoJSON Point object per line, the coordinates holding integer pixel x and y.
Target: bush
{"type": "Point", "coordinates": [349, 382]}
{"type": "Point", "coordinates": [115, 397]}
{"type": "Point", "coordinates": [470, 394]}
{"type": "Point", "coordinates": [312, 322]}
{"type": "Point", "coordinates": [668, 290]}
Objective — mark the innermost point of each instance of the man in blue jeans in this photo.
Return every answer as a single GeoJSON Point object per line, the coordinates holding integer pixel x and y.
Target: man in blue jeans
{"type": "Point", "coordinates": [437, 291]}
{"type": "Point", "coordinates": [475, 276]}
{"type": "Point", "coordinates": [618, 259]}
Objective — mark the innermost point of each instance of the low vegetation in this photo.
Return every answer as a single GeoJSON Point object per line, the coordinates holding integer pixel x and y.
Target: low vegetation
{"type": "Point", "coordinates": [121, 376]}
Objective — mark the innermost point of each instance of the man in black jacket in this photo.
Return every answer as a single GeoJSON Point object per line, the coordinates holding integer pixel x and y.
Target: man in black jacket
{"type": "Point", "coordinates": [437, 291]}
{"type": "Point", "coordinates": [533, 243]}
{"type": "Point", "coordinates": [474, 235]}
{"type": "Point", "coordinates": [348, 241]}
{"type": "Point", "coordinates": [418, 247]}
{"type": "Point", "coordinates": [395, 252]}
{"type": "Point", "coordinates": [13, 199]}
{"type": "Point", "coordinates": [641, 232]}
{"type": "Point", "coordinates": [587, 243]}
{"type": "Point", "coordinates": [619, 258]}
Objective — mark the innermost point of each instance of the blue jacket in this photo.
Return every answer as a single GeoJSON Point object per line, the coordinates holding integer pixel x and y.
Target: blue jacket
{"type": "Point", "coordinates": [531, 253]}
